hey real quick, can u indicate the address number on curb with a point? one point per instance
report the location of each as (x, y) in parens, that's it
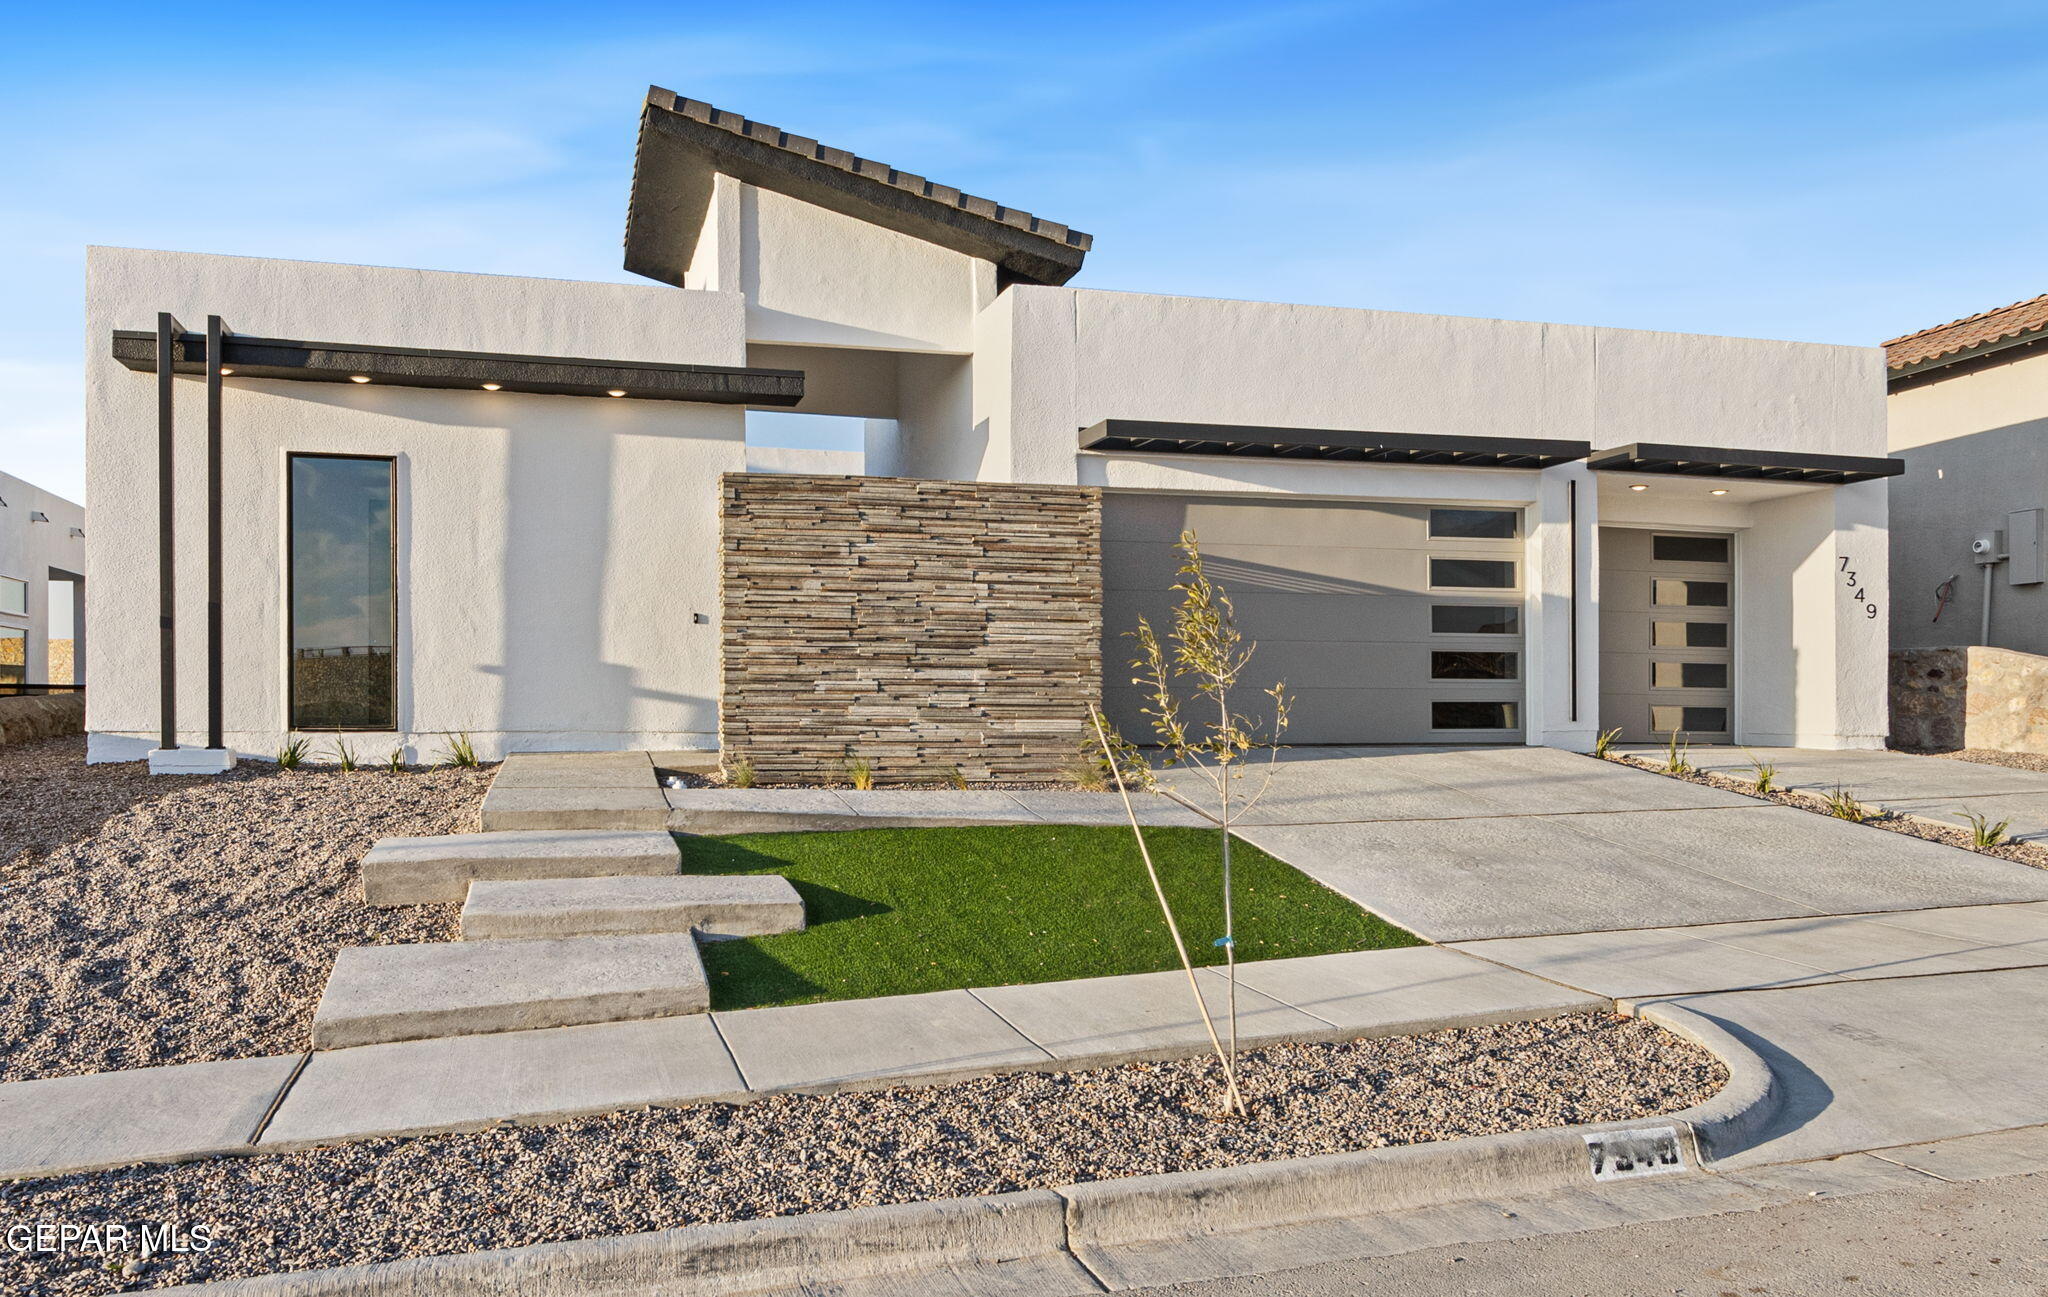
(1626, 1154)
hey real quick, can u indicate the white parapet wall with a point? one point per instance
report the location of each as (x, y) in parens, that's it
(555, 553)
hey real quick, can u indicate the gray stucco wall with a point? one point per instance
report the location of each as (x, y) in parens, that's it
(1976, 448)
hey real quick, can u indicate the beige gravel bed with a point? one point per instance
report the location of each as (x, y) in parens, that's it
(631, 1172)
(178, 919)
(1912, 826)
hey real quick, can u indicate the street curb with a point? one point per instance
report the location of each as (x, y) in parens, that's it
(1731, 1120)
(1042, 1242)
(1020, 1235)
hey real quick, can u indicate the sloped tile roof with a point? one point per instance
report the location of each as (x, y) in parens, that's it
(1971, 331)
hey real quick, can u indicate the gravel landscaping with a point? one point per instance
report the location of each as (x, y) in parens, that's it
(180, 919)
(2023, 853)
(657, 1169)
(1988, 757)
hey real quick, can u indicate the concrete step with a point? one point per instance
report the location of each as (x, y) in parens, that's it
(385, 993)
(427, 871)
(509, 806)
(747, 905)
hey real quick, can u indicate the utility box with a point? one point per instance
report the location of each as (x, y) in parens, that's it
(2023, 547)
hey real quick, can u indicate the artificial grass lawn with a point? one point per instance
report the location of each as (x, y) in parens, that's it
(895, 911)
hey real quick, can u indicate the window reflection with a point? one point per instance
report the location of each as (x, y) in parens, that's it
(343, 615)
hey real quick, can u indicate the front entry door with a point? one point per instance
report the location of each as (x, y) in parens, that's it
(1667, 657)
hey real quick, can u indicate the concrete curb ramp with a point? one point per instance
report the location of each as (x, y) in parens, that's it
(1083, 1238)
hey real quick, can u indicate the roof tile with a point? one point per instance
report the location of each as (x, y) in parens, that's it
(2011, 321)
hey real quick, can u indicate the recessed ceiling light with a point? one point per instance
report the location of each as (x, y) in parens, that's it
(490, 387)
(1637, 486)
(1719, 490)
(617, 391)
(358, 378)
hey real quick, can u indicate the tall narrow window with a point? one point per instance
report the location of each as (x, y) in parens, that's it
(343, 603)
(13, 657)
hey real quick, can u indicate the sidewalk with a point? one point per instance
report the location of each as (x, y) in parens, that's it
(466, 1082)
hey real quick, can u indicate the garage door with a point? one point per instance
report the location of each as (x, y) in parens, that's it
(1390, 623)
(1666, 635)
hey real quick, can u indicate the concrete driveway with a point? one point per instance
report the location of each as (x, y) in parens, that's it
(1459, 844)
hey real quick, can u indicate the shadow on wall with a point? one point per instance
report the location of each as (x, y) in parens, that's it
(1951, 491)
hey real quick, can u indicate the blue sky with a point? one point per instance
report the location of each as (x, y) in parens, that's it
(1837, 172)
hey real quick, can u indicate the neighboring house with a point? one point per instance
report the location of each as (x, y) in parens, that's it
(42, 551)
(518, 508)
(1969, 415)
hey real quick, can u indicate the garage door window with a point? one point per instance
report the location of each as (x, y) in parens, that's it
(1689, 634)
(1471, 715)
(1472, 574)
(1693, 720)
(1688, 675)
(1674, 593)
(1472, 666)
(1475, 619)
(1689, 549)
(1471, 524)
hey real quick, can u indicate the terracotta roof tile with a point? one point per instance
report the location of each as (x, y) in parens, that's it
(1970, 331)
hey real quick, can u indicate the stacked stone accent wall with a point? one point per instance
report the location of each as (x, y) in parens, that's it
(1943, 699)
(917, 625)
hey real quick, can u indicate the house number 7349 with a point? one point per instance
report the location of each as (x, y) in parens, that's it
(1855, 590)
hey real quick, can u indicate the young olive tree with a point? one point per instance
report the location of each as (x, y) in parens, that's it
(1190, 679)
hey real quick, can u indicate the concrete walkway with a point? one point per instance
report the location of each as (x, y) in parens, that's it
(1461, 844)
(466, 1082)
(1938, 788)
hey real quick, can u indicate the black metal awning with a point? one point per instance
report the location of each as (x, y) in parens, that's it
(340, 362)
(1767, 465)
(1144, 436)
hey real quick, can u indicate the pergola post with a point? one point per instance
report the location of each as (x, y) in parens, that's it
(168, 758)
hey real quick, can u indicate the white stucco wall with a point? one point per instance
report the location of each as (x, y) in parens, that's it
(552, 550)
(28, 550)
(816, 276)
(1145, 356)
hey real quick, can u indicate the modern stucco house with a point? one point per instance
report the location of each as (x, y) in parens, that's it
(518, 508)
(42, 553)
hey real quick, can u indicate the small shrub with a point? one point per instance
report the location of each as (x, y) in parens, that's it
(344, 755)
(293, 754)
(1676, 758)
(1845, 807)
(860, 772)
(739, 772)
(460, 752)
(1090, 770)
(395, 763)
(956, 777)
(1984, 833)
(1764, 774)
(1604, 741)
